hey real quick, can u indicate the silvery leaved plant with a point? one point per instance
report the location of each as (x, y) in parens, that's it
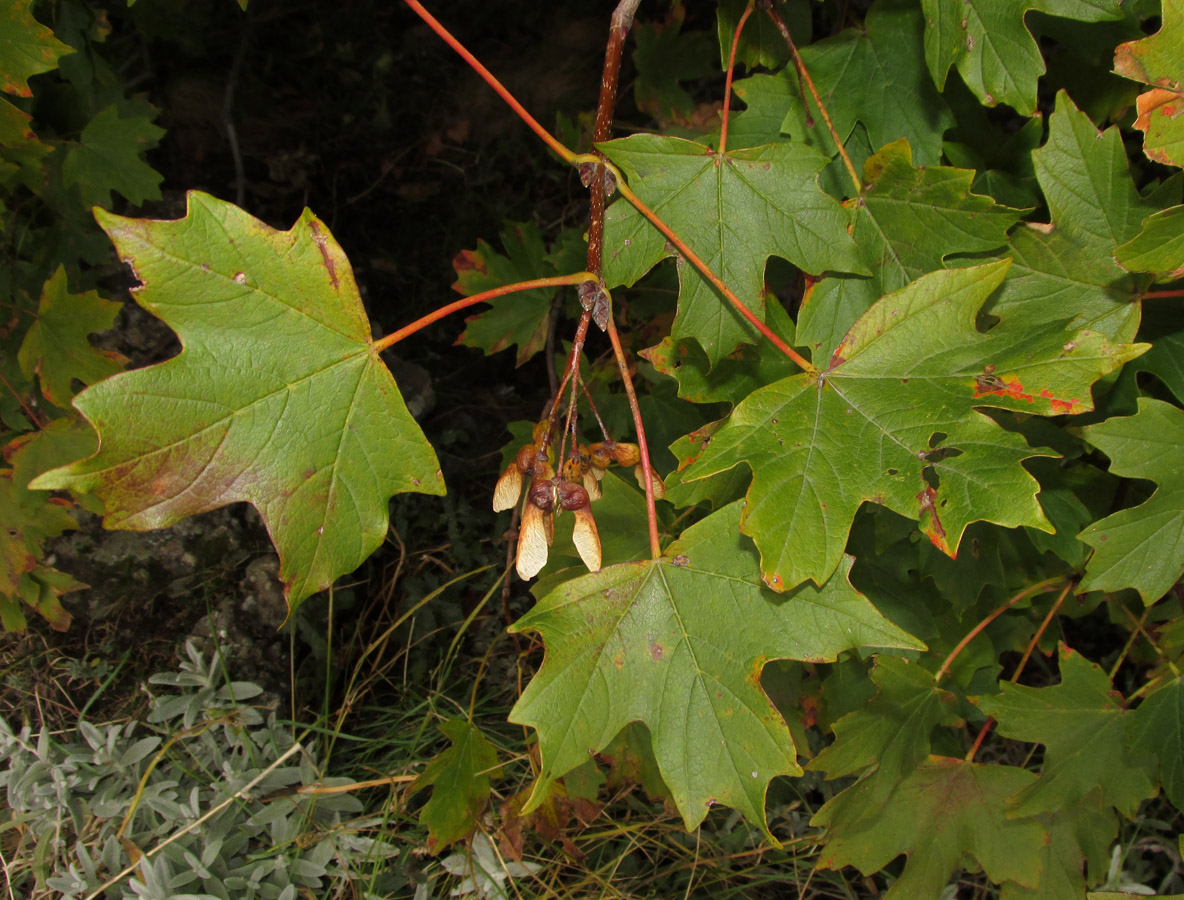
(81, 802)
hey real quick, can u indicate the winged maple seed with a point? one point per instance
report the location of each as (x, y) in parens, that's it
(572, 490)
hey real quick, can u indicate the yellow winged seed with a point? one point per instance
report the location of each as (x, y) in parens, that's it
(591, 482)
(532, 542)
(586, 538)
(508, 489)
(659, 487)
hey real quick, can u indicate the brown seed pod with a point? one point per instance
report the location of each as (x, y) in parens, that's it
(572, 496)
(525, 459)
(601, 454)
(542, 495)
(626, 454)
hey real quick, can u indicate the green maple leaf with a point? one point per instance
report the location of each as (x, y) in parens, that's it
(1157, 62)
(27, 525)
(734, 377)
(520, 319)
(278, 398)
(892, 421)
(110, 158)
(664, 57)
(907, 220)
(892, 731)
(1083, 833)
(990, 43)
(773, 111)
(56, 348)
(1157, 729)
(890, 735)
(734, 211)
(460, 776)
(944, 814)
(1065, 270)
(1141, 548)
(874, 75)
(1163, 328)
(27, 47)
(15, 126)
(60, 442)
(1082, 725)
(679, 644)
(1158, 248)
(761, 43)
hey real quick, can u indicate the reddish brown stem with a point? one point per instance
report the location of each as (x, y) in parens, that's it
(33, 417)
(809, 82)
(723, 129)
(706, 272)
(1031, 590)
(978, 741)
(651, 511)
(1056, 607)
(595, 411)
(407, 330)
(501, 90)
(1015, 676)
(1162, 295)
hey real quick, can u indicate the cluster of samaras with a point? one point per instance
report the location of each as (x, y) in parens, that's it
(573, 489)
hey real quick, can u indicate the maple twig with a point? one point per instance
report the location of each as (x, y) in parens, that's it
(1162, 295)
(716, 281)
(651, 512)
(723, 129)
(1031, 590)
(423, 321)
(500, 89)
(805, 77)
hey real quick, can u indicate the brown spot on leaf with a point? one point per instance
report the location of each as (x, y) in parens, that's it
(323, 245)
(988, 385)
(656, 651)
(930, 522)
(1064, 407)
